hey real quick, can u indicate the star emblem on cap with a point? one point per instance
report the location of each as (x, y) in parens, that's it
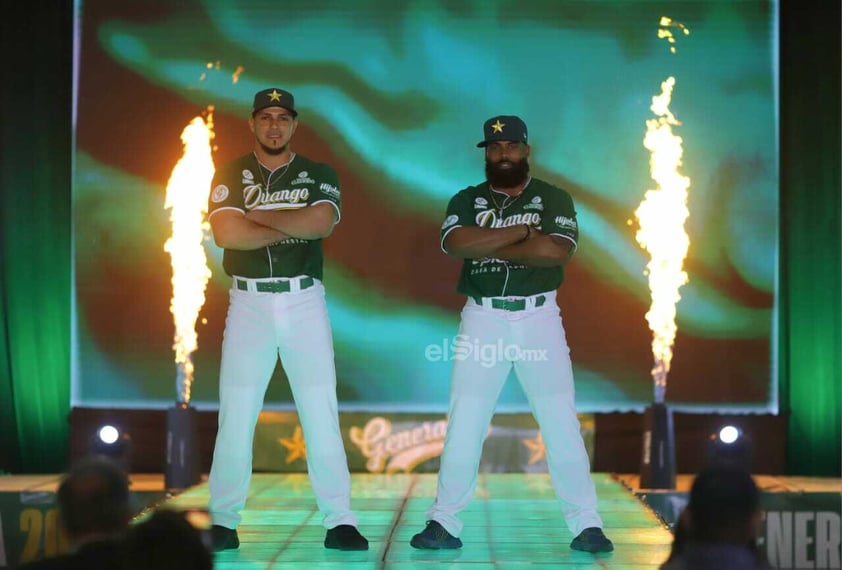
(274, 95)
(497, 127)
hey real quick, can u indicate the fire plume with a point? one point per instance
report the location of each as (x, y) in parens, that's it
(664, 31)
(661, 216)
(187, 191)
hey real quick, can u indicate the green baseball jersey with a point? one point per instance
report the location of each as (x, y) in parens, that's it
(244, 185)
(541, 206)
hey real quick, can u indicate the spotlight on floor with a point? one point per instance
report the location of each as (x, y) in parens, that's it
(730, 446)
(108, 435)
(111, 441)
(729, 434)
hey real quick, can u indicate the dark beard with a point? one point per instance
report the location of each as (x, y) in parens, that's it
(507, 177)
(273, 151)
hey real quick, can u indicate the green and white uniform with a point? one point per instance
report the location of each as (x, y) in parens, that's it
(277, 308)
(541, 206)
(513, 306)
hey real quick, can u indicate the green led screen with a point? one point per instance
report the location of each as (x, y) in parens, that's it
(393, 95)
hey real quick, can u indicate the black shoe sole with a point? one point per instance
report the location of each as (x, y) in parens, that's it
(227, 546)
(593, 550)
(346, 548)
(422, 545)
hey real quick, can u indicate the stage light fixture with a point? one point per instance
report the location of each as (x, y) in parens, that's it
(111, 441)
(108, 434)
(729, 445)
(657, 465)
(729, 434)
(182, 454)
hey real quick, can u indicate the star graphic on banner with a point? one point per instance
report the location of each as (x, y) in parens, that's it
(497, 127)
(537, 451)
(274, 95)
(295, 445)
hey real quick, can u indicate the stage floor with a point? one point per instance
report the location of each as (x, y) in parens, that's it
(513, 522)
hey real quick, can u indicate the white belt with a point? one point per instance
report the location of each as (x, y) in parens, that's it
(515, 303)
(274, 284)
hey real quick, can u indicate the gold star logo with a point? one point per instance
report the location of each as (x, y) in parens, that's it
(537, 450)
(274, 95)
(295, 445)
(497, 127)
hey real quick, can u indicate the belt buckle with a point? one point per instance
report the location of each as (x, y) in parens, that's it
(510, 304)
(272, 287)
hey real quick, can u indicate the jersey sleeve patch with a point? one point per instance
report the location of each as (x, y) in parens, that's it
(219, 194)
(559, 216)
(325, 187)
(565, 223)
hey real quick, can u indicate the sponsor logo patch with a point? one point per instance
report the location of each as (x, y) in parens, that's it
(219, 194)
(451, 220)
(565, 222)
(329, 189)
(302, 179)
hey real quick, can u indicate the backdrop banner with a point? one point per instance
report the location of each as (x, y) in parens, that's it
(406, 443)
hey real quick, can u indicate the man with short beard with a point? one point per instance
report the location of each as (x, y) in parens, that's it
(514, 234)
(270, 210)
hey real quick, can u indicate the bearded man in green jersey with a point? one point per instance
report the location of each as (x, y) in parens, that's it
(514, 234)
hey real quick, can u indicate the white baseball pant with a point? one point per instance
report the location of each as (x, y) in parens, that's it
(548, 384)
(259, 328)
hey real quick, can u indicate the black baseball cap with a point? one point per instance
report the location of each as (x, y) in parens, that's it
(274, 97)
(503, 128)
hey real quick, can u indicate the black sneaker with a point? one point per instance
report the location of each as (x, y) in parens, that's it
(223, 538)
(592, 539)
(435, 537)
(345, 537)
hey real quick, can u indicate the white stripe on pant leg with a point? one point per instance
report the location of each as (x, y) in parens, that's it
(549, 387)
(474, 390)
(308, 359)
(249, 355)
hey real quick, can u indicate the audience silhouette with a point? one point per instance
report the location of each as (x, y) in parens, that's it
(720, 525)
(94, 511)
(166, 541)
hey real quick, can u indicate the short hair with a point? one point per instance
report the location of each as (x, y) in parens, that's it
(166, 541)
(94, 497)
(723, 501)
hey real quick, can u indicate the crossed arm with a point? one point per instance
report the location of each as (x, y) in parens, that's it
(513, 244)
(232, 229)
